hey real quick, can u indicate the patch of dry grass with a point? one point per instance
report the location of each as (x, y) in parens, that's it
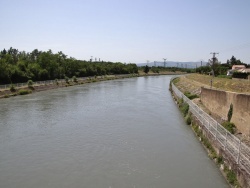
(240, 86)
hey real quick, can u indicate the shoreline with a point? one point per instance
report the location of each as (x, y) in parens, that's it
(7, 93)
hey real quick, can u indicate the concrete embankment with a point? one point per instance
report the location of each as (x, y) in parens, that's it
(218, 102)
(230, 154)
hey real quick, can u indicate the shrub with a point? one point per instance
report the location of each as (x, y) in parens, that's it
(243, 75)
(74, 79)
(66, 79)
(231, 177)
(12, 88)
(180, 101)
(190, 96)
(24, 92)
(230, 113)
(184, 108)
(229, 126)
(6, 96)
(30, 84)
(56, 80)
(220, 160)
(188, 119)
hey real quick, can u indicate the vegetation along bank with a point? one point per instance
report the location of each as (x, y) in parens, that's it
(231, 156)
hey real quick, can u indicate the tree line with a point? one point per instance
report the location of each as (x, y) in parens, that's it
(20, 66)
(221, 68)
(160, 69)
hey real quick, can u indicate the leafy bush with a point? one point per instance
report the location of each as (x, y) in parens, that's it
(66, 79)
(12, 88)
(220, 160)
(56, 80)
(155, 70)
(188, 119)
(74, 79)
(229, 126)
(146, 69)
(30, 84)
(230, 113)
(243, 75)
(231, 177)
(190, 96)
(184, 108)
(6, 96)
(180, 101)
(24, 92)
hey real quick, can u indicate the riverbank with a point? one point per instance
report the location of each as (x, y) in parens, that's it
(229, 154)
(8, 92)
(216, 100)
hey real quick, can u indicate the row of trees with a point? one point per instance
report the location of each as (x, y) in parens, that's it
(220, 68)
(20, 66)
(160, 69)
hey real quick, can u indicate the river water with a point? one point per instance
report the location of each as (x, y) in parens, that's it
(112, 134)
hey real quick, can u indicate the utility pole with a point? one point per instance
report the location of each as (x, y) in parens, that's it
(213, 60)
(155, 63)
(164, 61)
(201, 63)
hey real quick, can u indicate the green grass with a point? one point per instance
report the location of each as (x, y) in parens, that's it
(190, 96)
(184, 107)
(6, 96)
(224, 76)
(24, 92)
(229, 126)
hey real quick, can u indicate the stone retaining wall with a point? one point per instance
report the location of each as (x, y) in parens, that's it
(218, 102)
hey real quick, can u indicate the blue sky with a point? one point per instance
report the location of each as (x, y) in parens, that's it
(129, 30)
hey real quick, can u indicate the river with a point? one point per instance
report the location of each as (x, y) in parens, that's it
(111, 134)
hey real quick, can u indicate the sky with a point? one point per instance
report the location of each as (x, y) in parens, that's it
(129, 31)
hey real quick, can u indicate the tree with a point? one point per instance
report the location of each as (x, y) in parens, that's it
(230, 113)
(146, 69)
(21, 66)
(234, 61)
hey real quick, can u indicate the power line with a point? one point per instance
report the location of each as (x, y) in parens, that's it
(238, 47)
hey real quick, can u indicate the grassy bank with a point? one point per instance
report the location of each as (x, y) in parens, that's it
(12, 91)
(222, 83)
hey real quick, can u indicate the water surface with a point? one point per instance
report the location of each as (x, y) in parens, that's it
(120, 133)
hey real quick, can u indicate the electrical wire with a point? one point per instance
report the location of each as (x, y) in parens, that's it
(238, 47)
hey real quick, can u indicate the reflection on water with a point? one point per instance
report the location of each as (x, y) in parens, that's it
(121, 133)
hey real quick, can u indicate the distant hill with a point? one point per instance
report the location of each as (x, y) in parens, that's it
(174, 64)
